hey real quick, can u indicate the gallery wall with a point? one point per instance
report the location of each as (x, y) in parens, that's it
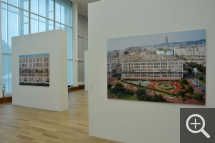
(133, 121)
(86, 70)
(0, 57)
(82, 47)
(52, 97)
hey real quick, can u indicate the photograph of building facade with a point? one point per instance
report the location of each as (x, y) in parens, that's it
(34, 69)
(172, 65)
(156, 67)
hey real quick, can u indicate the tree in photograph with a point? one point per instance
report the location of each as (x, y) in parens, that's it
(179, 93)
(141, 95)
(197, 96)
(109, 86)
(201, 78)
(189, 89)
(190, 70)
(128, 91)
(183, 82)
(158, 98)
(117, 89)
(119, 78)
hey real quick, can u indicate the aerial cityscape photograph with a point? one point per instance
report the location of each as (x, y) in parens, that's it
(165, 67)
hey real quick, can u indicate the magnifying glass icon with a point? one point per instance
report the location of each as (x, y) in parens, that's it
(201, 129)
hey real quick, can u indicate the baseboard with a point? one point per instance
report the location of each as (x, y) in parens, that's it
(5, 99)
(75, 88)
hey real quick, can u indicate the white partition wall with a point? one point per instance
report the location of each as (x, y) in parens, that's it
(82, 47)
(86, 70)
(0, 57)
(133, 121)
(55, 96)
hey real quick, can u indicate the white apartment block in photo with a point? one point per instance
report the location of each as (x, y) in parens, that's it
(159, 67)
(156, 67)
(198, 51)
(193, 54)
(34, 69)
(110, 67)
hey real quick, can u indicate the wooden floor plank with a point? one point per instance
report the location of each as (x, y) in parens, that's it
(28, 125)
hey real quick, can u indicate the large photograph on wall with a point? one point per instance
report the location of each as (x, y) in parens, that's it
(165, 67)
(34, 69)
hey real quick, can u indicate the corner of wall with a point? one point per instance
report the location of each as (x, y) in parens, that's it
(0, 55)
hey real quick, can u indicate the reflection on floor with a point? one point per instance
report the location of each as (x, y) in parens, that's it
(28, 125)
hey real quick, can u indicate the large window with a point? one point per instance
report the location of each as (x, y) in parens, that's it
(20, 17)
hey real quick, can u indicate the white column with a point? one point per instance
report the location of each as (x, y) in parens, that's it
(0, 55)
(75, 43)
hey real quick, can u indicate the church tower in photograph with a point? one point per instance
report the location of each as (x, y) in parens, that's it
(167, 45)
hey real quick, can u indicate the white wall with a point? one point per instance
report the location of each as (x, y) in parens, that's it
(54, 97)
(86, 70)
(133, 121)
(0, 56)
(82, 46)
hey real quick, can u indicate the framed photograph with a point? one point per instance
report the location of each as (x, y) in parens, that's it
(34, 69)
(165, 67)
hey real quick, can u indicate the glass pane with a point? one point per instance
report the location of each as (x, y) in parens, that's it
(69, 66)
(34, 6)
(57, 26)
(34, 24)
(6, 73)
(12, 25)
(63, 12)
(45, 25)
(4, 29)
(17, 23)
(69, 42)
(57, 10)
(69, 39)
(66, 12)
(19, 3)
(23, 24)
(49, 25)
(42, 24)
(46, 8)
(62, 27)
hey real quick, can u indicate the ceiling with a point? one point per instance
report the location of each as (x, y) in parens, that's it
(83, 5)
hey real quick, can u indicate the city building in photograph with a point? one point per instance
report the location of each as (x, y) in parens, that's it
(166, 67)
(34, 69)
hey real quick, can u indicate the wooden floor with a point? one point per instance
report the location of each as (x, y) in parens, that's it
(27, 125)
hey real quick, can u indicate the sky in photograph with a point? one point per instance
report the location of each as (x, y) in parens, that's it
(154, 39)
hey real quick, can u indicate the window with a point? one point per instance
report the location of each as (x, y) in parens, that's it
(21, 17)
